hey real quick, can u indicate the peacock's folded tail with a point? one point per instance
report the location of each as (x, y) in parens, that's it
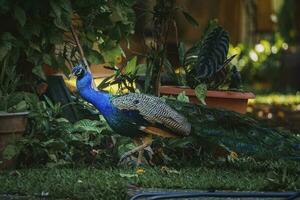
(237, 132)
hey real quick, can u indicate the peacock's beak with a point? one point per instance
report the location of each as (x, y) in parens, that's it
(71, 75)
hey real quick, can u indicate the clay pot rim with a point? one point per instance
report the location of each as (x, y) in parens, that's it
(210, 93)
(6, 114)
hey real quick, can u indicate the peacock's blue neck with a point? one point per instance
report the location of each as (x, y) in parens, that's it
(99, 99)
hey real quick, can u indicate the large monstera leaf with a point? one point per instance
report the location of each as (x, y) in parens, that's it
(212, 52)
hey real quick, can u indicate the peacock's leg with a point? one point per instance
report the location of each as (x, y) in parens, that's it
(129, 153)
(146, 141)
(138, 142)
(139, 160)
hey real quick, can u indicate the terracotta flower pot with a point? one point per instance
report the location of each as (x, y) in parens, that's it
(12, 127)
(235, 101)
(48, 70)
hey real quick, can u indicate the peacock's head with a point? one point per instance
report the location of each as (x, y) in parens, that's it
(78, 71)
(83, 77)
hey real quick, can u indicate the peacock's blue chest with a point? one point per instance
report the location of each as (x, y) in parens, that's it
(117, 120)
(121, 124)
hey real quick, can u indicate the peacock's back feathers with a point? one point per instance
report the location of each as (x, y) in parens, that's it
(154, 110)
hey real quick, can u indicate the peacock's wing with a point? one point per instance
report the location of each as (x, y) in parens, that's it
(155, 111)
(238, 132)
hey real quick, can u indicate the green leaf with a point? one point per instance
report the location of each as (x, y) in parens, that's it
(181, 53)
(87, 125)
(141, 70)
(92, 36)
(131, 66)
(47, 59)
(168, 66)
(110, 54)
(105, 82)
(123, 148)
(20, 107)
(7, 37)
(60, 24)
(56, 38)
(53, 157)
(62, 120)
(54, 144)
(123, 175)
(190, 19)
(10, 152)
(5, 47)
(20, 15)
(200, 92)
(182, 97)
(62, 16)
(49, 102)
(128, 3)
(211, 53)
(94, 57)
(116, 33)
(66, 5)
(35, 46)
(6, 44)
(56, 8)
(38, 70)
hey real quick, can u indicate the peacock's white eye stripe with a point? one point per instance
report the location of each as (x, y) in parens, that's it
(79, 72)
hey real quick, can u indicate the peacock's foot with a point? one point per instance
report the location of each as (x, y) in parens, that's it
(127, 161)
(139, 149)
(144, 158)
(125, 157)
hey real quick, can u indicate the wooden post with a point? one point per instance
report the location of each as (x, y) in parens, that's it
(229, 16)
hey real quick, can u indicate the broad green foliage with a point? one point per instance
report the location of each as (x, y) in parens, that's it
(12, 101)
(206, 62)
(53, 140)
(212, 52)
(260, 62)
(131, 67)
(124, 77)
(38, 32)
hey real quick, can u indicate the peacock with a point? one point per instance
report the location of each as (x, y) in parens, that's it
(142, 116)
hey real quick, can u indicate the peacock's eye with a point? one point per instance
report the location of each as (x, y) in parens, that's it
(79, 73)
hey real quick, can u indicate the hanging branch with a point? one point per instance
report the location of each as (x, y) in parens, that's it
(79, 47)
(82, 55)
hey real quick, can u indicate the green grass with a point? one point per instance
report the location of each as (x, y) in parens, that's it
(111, 183)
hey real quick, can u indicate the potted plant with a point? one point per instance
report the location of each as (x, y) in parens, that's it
(13, 112)
(205, 66)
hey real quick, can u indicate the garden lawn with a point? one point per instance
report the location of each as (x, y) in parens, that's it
(112, 183)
